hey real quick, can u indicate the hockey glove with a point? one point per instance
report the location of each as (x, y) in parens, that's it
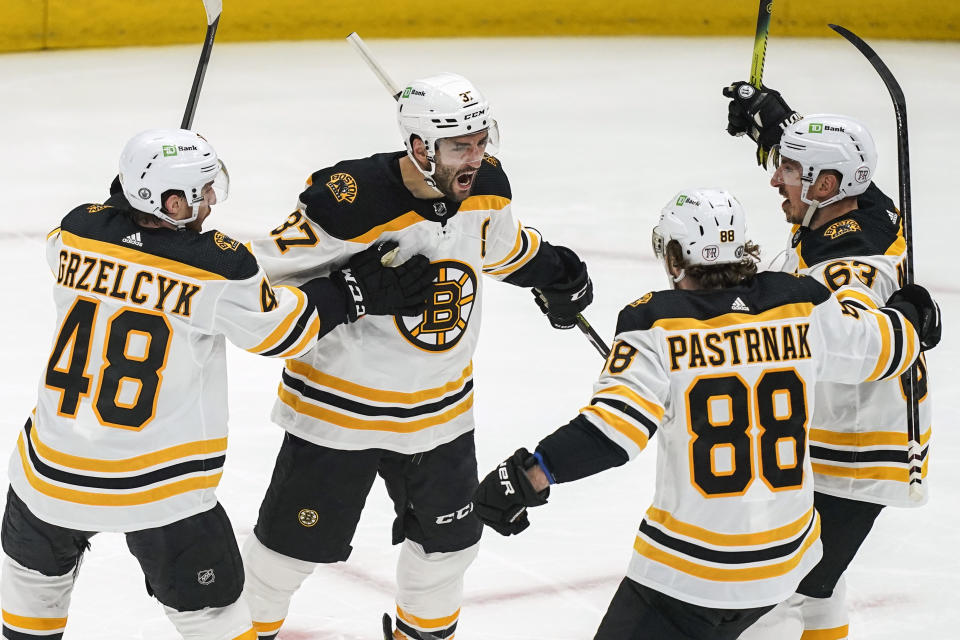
(760, 113)
(502, 498)
(563, 300)
(914, 302)
(374, 288)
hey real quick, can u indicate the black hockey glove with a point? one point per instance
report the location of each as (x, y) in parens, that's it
(760, 113)
(914, 302)
(502, 498)
(374, 288)
(563, 300)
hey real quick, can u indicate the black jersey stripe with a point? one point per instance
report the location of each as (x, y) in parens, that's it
(897, 358)
(524, 247)
(295, 333)
(325, 397)
(625, 408)
(692, 550)
(126, 482)
(434, 633)
(871, 455)
(12, 634)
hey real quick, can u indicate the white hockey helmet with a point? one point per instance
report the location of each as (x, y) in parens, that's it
(159, 160)
(709, 224)
(446, 105)
(823, 141)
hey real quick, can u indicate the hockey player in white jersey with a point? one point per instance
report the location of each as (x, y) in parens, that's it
(393, 396)
(722, 368)
(129, 432)
(847, 234)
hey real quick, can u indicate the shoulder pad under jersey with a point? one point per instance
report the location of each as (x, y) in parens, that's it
(767, 291)
(492, 180)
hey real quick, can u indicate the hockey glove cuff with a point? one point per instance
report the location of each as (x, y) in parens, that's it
(563, 300)
(503, 496)
(915, 303)
(761, 113)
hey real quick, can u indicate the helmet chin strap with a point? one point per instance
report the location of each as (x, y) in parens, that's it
(808, 216)
(427, 173)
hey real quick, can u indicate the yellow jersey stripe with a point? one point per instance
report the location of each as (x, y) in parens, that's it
(899, 247)
(249, 634)
(798, 310)
(720, 574)
(854, 294)
(53, 233)
(428, 623)
(484, 203)
(114, 499)
(532, 249)
(309, 335)
(779, 534)
(34, 624)
(137, 463)
(510, 255)
(284, 326)
(138, 257)
(377, 395)
(649, 406)
(885, 340)
(910, 338)
(628, 429)
(267, 627)
(865, 439)
(361, 424)
(836, 633)
(399, 223)
(897, 474)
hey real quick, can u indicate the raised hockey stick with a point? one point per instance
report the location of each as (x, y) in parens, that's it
(213, 9)
(392, 88)
(903, 167)
(760, 55)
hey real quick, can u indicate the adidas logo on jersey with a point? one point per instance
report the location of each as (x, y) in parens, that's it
(738, 305)
(134, 239)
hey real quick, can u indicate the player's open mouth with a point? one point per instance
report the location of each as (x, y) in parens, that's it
(464, 180)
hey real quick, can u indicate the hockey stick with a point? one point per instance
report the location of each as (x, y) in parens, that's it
(391, 87)
(903, 166)
(213, 9)
(760, 56)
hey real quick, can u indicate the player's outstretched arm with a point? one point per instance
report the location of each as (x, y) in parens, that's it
(762, 114)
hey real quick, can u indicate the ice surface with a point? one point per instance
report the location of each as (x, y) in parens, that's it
(597, 135)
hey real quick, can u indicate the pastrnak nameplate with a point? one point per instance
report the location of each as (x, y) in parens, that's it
(840, 228)
(343, 187)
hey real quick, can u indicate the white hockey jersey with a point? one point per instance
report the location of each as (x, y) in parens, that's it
(130, 427)
(858, 439)
(726, 380)
(399, 383)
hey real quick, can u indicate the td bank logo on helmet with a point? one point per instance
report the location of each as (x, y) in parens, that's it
(171, 150)
(819, 127)
(410, 91)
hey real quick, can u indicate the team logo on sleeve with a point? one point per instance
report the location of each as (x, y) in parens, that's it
(445, 319)
(644, 299)
(97, 208)
(840, 228)
(225, 242)
(343, 187)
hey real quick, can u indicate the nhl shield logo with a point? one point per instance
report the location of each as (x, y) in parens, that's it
(343, 187)
(445, 319)
(440, 208)
(205, 577)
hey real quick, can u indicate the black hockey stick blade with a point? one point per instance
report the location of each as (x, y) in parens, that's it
(213, 9)
(593, 336)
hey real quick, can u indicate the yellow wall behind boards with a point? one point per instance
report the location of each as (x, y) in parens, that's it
(41, 24)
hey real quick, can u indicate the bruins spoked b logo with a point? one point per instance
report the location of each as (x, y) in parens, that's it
(445, 320)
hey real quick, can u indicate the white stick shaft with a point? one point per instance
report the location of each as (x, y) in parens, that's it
(367, 56)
